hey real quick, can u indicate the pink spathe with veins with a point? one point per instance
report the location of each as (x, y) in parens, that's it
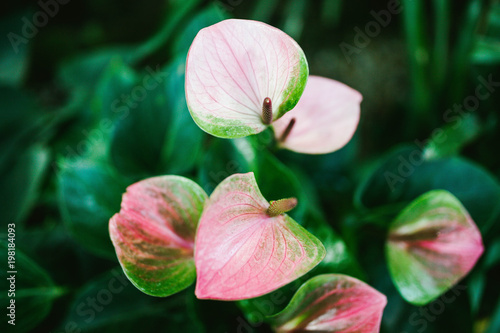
(241, 252)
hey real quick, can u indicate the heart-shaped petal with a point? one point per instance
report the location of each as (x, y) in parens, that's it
(241, 251)
(431, 245)
(154, 233)
(232, 67)
(324, 120)
(332, 303)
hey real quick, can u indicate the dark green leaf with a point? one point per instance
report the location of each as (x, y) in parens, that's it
(138, 136)
(110, 303)
(14, 51)
(89, 194)
(405, 174)
(84, 71)
(449, 140)
(21, 181)
(116, 81)
(183, 139)
(32, 291)
(486, 51)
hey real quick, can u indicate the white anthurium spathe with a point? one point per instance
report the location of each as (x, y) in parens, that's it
(237, 68)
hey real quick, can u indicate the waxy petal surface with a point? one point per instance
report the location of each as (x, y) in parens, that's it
(432, 245)
(232, 66)
(154, 233)
(326, 117)
(332, 303)
(243, 253)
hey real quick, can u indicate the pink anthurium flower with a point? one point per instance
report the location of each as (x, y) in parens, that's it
(242, 75)
(332, 303)
(246, 247)
(431, 245)
(323, 121)
(154, 233)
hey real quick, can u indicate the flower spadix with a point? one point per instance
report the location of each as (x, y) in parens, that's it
(241, 75)
(431, 245)
(323, 121)
(332, 303)
(247, 247)
(154, 233)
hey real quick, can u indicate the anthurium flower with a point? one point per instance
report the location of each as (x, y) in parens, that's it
(323, 121)
(332, 303)
(431, 245)
(154, 233)
(242, 75)
(246, 247)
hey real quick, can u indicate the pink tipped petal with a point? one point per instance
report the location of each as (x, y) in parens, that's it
(326, 118)
(232, 67)
(432, 245)
(243, 253)
(332, 303)
(154, 233)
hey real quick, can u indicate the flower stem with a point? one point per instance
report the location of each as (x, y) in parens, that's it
(287, 130)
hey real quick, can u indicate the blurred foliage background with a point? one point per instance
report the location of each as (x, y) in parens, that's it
(92, 100)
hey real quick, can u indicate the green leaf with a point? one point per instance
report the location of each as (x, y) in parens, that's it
(89, 195)
(33, 291)
(494, 325)
(179, 158)
(177, 11)
(152, 119)
(449, 140)
(14, 51)
(486, 51)
(117, 80)
(222, 159)
(24, 115)
(138, 136)
(110, 303)
(22, 178)
(154, 233)
(432, 244)
(84, 71)
(404, 175)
